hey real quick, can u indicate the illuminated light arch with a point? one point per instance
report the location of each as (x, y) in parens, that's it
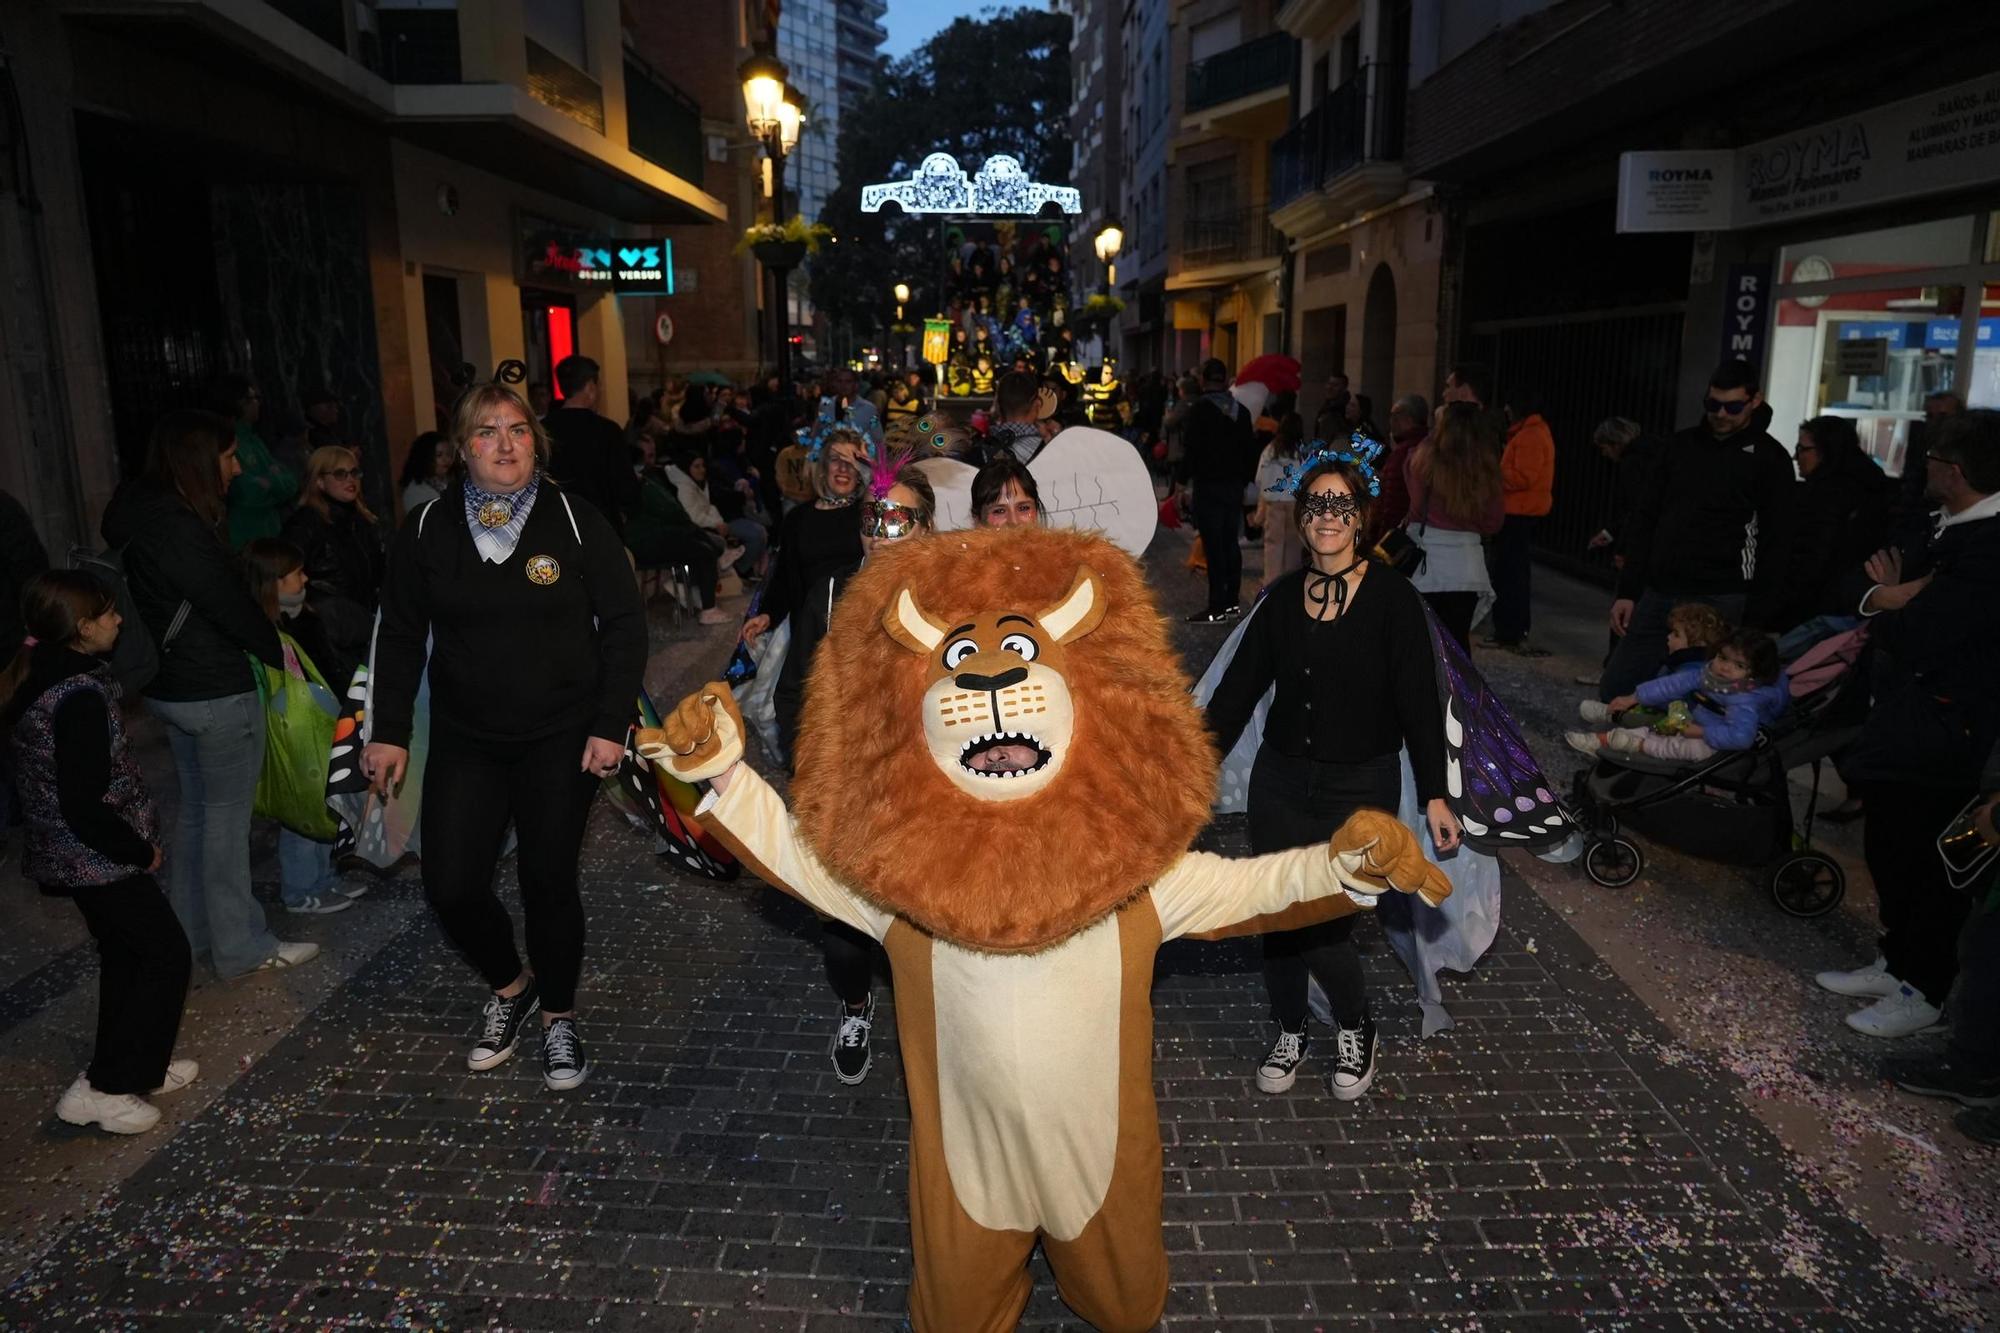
(940, 185)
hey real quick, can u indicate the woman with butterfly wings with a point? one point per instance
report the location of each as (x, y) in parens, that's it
(1462, 748)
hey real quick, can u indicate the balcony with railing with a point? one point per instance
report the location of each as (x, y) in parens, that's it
(1220, 247)
(1343, 154)
(1242, 90)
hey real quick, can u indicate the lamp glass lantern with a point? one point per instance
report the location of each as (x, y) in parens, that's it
(1110, 240)
(763, 78)
(790, 113)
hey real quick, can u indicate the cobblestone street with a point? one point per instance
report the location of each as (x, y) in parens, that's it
(1556, 1161)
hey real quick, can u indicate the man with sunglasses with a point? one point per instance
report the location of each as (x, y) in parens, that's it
(1714, 526)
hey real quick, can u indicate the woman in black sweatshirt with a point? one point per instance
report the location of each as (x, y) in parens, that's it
(537, 642)
(93, 837)
(1346, 644)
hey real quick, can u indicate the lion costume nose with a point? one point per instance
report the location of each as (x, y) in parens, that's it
(991, 684)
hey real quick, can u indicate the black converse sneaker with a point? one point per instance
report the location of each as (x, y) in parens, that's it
(851, 1056)
(563, 1065)
(505, 1017)
(1354, 1061)
(1281, 1066)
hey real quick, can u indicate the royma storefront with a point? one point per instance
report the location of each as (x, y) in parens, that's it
(1856, 261)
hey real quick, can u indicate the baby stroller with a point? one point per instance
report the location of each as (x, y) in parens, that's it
(1735, 808)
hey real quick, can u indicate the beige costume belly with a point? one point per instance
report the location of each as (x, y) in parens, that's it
(1027, 1064)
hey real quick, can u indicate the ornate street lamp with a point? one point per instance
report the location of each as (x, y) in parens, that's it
(1110, 240)
(774, 110)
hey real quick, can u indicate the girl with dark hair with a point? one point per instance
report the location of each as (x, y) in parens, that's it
(1455, 499)
(1004, 494)
(308, 884)
(189, 591)
(1345, 642)
(426, 470)
(93, 836)
(1359, 415)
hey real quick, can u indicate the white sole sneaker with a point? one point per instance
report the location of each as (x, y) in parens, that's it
(1867, 983)
(1348, 1092)
(1903, 1014)
(85, 1107)
(1269, 1082)
(180, 1073)
(325, 904)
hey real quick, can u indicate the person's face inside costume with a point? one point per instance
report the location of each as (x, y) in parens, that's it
(890, 519)
(1005, 759)
(500, 455)
(1328, 516)
(1011, 509)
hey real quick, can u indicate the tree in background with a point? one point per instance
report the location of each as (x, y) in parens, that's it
(980, 87)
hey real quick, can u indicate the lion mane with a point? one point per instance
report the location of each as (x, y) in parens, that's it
(1000, 876)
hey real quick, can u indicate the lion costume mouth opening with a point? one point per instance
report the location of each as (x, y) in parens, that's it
(946, 648)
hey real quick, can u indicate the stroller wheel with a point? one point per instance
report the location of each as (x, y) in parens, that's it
(1808, 885)
(1613, 862)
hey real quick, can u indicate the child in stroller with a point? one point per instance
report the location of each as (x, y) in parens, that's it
(1735, 806)
(1719, 705)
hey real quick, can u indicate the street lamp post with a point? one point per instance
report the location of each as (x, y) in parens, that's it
(773, 109)
(902, 294)
(1110, 239)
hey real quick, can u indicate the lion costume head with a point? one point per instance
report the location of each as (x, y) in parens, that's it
(946, 647)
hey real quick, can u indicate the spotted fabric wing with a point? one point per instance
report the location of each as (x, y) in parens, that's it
(1497, 790)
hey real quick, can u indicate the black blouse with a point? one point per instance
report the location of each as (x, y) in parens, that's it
(1355, 688)
(812, 542)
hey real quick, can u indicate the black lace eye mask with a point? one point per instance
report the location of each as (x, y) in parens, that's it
(1334, 504)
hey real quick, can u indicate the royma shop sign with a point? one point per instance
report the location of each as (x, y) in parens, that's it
(628, 266)
(1946, 140)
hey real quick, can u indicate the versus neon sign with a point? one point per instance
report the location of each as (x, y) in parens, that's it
(628, 267)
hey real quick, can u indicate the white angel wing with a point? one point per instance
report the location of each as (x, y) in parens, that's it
(1087, 478)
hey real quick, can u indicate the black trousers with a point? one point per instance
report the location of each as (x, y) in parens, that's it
(143, 954)
(850, 960)
(470, 796)
(681, 547)
(1299, 803)
(1512, 569)
(1218, 517)
(1921, 913)
(1454, 611)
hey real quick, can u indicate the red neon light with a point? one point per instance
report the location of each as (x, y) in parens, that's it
(562, 342)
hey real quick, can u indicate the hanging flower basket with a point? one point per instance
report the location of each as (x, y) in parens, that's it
(779, 254)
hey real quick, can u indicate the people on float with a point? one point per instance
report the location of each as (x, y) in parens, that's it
(522, 602)
(1004, 495)
(337, 533)
(1345, 642)
(189, 593)
(983, 377)
(92, 835)
(900, 504)
(1104, 397)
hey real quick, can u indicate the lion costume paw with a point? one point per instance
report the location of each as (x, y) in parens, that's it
(1377, 848)
(701, 739)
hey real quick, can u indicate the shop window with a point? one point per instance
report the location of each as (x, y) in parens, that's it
(1981, 384)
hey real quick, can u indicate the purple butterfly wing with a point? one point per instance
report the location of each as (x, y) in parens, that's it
(1497, 790)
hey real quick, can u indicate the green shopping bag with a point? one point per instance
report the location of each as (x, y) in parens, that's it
(299, 711)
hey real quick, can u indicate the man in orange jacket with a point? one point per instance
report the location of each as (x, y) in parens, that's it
(1528, 479)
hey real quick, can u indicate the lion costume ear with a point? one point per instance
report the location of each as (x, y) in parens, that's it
(909, 625)
(1078, 613)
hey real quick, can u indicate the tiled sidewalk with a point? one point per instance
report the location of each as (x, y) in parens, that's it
(1538, 1167)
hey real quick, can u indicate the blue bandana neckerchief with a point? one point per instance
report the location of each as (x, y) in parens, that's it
(497, 543)
(1358, 452)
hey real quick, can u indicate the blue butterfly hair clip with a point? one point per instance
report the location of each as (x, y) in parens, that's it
(1359, 452)
(814, 437)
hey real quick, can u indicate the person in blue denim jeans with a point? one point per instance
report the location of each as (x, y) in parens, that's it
(190, 594)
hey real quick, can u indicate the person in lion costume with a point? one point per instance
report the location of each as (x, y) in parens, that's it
(1013, 694)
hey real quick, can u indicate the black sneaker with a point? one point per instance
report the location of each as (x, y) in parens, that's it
(1981, 1124)
(563, 1065)
(1354, 1061)
(1215, 617)
(851, 1054)
(504, 1020)
(1937, 1076)
(1281, 1067)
